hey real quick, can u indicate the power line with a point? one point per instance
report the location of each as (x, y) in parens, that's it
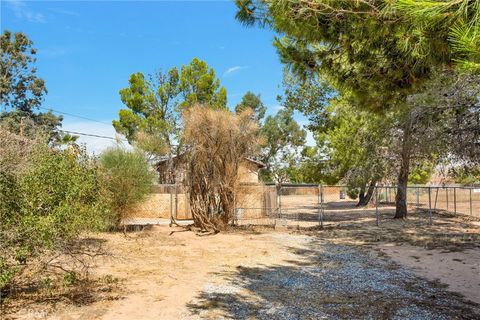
(90, 135)
(74, 115)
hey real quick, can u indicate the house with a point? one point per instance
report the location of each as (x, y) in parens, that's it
(172, 170)
(170, 198)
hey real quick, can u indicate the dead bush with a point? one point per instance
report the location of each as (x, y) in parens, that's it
(217, 142)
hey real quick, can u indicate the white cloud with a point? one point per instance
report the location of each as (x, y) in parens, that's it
(22, 11)
(93, 144)
(233, 70)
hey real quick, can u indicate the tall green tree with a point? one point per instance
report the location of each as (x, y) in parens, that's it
(283, 139)
(311, 96)
(20, 88)
(253, 102)
(199, 85)
(461, 18)
(151, 118)
(368, 50)
(22, 91)
(356, 145)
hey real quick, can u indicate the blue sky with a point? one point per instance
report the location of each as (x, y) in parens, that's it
(88, 49)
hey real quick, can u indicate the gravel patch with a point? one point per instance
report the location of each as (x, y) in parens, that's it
(321, 280)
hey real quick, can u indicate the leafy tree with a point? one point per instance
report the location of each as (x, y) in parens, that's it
(21, 91)
(49, 198)
(253, 102)
(283, 137)
(460, 18)
(154, 104)
(310, 96)
(370, 53)
(421, 173)
(439, 124)
(33, 124)
(465, 174)
(20, 88)
(151, 119)
(309, 167)
(129, 179)
(199, 85)
(355, 144)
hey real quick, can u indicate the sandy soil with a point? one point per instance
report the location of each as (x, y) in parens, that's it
(158, 274)
(459, 270)
(349, 269)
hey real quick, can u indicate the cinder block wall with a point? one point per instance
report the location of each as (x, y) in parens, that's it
(253, 197)
(160, 202)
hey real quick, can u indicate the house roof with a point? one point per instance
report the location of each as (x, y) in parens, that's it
(259, 164)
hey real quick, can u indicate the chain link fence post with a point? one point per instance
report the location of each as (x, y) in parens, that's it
(446, 192)
(280, 214)
(376, 207)
(320, 205)
(171, 205)
(418, 198)
(429, 205)
(455, 200)
(471, 203)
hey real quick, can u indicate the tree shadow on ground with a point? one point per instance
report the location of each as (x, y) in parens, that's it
(447, 232)
(330, 281)
(62, 276)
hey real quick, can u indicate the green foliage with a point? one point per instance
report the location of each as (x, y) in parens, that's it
(460, 18)
(283, 136)
(20, 88)
(354, 45)
(199, 85)
(70, 278)
(310, 168)
(21, 91)
(49, 198)
(355, 144)
(155, 104)
(466, 175)
(310, 96)
(62, 196)
(33, 124)
(129, 179)
(253, 102)
(376, 52)
(151, 107)
(421, 173)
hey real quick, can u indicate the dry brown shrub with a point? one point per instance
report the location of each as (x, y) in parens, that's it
(218, 141)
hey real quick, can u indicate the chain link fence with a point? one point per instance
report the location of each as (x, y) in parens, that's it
(308, 205)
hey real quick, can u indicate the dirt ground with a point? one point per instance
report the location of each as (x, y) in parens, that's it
(350, 269)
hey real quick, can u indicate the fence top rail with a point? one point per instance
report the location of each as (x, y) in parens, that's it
(311, 185)
(294, 185)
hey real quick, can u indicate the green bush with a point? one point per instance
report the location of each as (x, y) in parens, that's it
(49, 197)
(129, 179)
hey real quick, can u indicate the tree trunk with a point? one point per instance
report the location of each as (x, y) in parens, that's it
(361, 197)
(365, 198)
(402, 182)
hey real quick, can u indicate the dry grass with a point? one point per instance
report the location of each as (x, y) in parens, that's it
(263, 273)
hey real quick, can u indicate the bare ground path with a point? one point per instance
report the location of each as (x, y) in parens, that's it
(337, 273)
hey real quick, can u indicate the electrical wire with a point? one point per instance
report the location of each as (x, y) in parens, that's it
(89, 135)
(74, 115)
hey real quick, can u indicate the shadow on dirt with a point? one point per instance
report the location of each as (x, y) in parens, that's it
(331, 281)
